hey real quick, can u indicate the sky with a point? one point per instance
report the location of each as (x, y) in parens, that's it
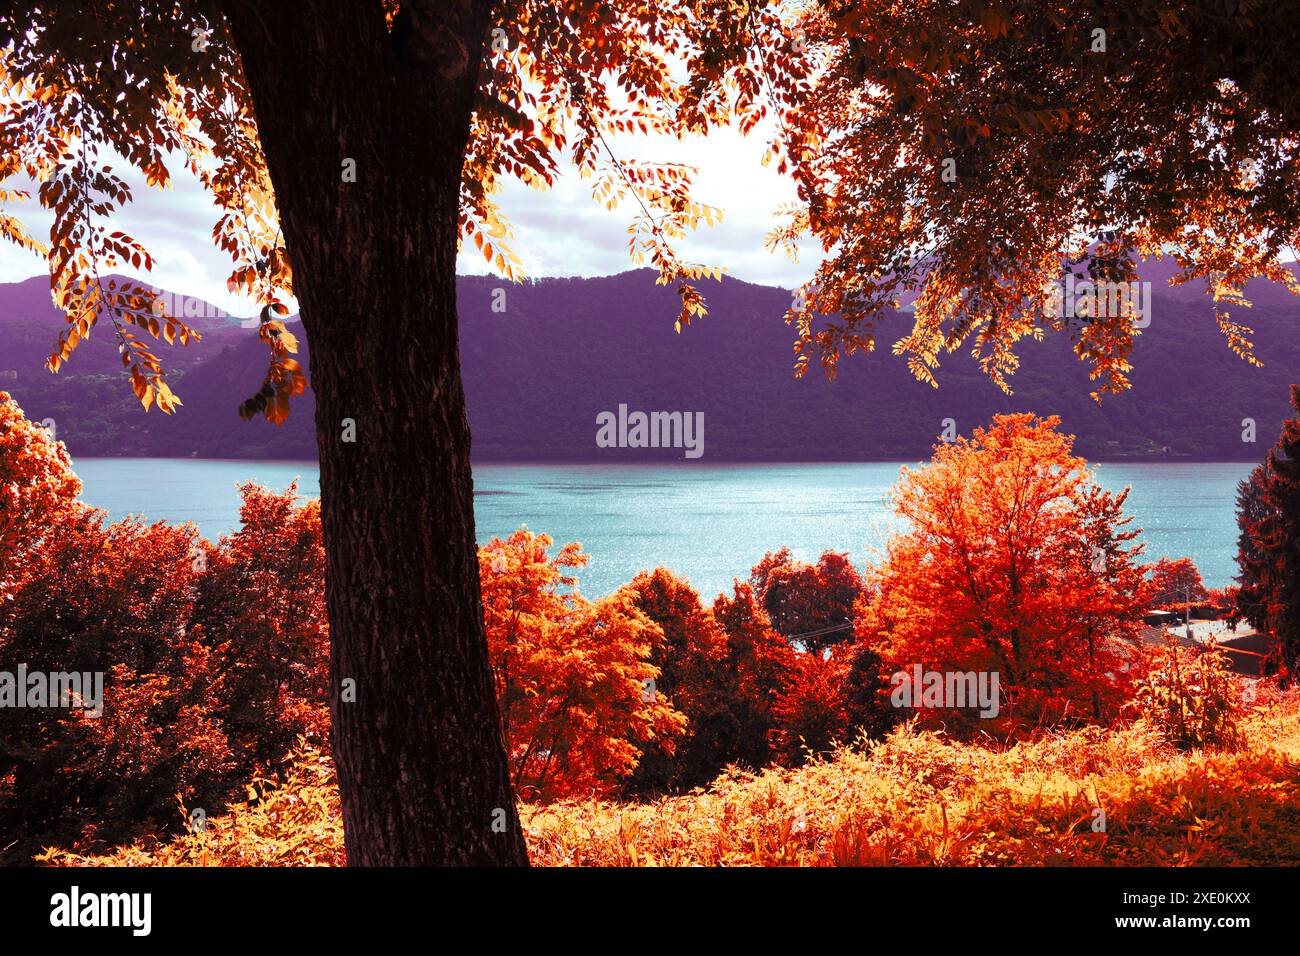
(561, 232)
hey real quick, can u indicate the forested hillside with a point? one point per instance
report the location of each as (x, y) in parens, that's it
(543, 359)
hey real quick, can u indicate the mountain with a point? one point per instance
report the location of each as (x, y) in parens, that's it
(555, 353)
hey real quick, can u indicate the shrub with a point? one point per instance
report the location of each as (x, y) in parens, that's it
(116, 599)
(1191, 696)
(915, 798)
(575, 681)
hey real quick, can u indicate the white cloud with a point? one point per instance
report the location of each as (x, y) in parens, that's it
(561, 232)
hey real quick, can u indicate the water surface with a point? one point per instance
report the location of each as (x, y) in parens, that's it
(708, 522)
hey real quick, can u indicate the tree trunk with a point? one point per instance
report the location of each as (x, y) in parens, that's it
(422, 769)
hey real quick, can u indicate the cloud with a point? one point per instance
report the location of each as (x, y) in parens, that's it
(561, 232)
(564, 232)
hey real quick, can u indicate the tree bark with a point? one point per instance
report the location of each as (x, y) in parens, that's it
(422, 768)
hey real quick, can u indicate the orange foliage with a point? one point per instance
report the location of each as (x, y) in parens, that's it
(36, 486)
(1014, 564)
(1191, 694)
(544, 100)
(575, 678)
(215, 661)
(961, 154)
(915, 798)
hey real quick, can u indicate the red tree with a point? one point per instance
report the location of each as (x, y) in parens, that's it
(78, 778)
(1175, 582)
(757, 662)
(810, 712)
(693, 675)
(1270, 546)
(1015, 565)
(260, 608)
(811, 604)
(575, 679)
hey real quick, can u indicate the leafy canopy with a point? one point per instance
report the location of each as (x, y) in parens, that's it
(90, 93)
(1015, 562)
(1073, 133)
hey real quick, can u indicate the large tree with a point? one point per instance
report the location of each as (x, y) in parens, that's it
(351, 148)
(1014, 562)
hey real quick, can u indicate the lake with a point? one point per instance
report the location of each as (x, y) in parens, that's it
(710, 523)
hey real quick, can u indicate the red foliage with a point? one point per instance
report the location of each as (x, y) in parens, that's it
(757, 661)
(260, 608)
(1014, 565)
(1175, 583)
(811, 604)
(212, 659)
(810, 712)
(1269, 519)
(114, 599)
(575, 681)
(692, 673)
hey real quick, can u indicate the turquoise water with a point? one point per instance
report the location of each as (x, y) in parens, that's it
(708, 522)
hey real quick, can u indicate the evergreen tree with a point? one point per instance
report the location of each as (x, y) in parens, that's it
(1251, 508)
(1271, 564)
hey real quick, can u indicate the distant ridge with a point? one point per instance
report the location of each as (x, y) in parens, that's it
(564, 350)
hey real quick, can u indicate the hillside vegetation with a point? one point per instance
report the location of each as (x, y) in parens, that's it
(915, 798)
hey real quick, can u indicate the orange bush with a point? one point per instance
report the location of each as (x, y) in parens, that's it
(575, 678)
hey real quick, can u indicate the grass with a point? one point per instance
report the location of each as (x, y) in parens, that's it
(915, 798)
